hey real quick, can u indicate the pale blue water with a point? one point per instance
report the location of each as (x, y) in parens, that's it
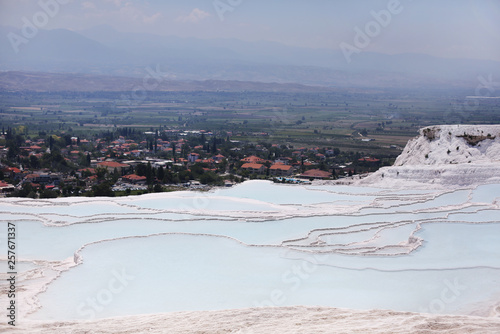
(244, 247)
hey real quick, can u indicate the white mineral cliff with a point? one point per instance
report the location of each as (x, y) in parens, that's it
(445, 156)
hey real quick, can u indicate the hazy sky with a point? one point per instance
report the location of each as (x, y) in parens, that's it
(447, 28)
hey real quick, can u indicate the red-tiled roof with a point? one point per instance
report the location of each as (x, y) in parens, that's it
(251, 165)
(369, 159)
(252, 159)
(280, 167)
(316, 173)
(134, 177)
(12, 169)
(112, 164)
(91, 170)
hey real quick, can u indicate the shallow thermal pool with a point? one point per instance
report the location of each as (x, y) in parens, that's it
(258, 244)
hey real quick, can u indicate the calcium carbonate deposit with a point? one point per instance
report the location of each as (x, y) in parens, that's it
(420, 237)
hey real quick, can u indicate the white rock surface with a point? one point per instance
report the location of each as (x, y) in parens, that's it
(444, 156)
(287, 320)
(445, 145)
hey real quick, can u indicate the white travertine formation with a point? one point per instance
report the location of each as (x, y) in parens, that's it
(444, 156)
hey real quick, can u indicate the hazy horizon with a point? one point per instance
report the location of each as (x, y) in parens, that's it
(448, 29)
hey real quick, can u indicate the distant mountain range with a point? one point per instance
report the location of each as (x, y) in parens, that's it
(104, 51)
(44, 82)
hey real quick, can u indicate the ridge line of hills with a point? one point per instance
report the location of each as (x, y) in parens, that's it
(105, 51)
(44, 82)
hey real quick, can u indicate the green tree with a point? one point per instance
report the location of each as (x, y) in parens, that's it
(49, 194)
(149, 174)
(197, 170)
(214, 145)
(26, 190)
(101, 173)
(161, 174)
(34, 162)
(210, 178)
(103, 189)
(115, 176)
(173, 151)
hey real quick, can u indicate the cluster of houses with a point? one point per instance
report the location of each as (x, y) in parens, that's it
(122, 155)
(282, 167)
(16, 175)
